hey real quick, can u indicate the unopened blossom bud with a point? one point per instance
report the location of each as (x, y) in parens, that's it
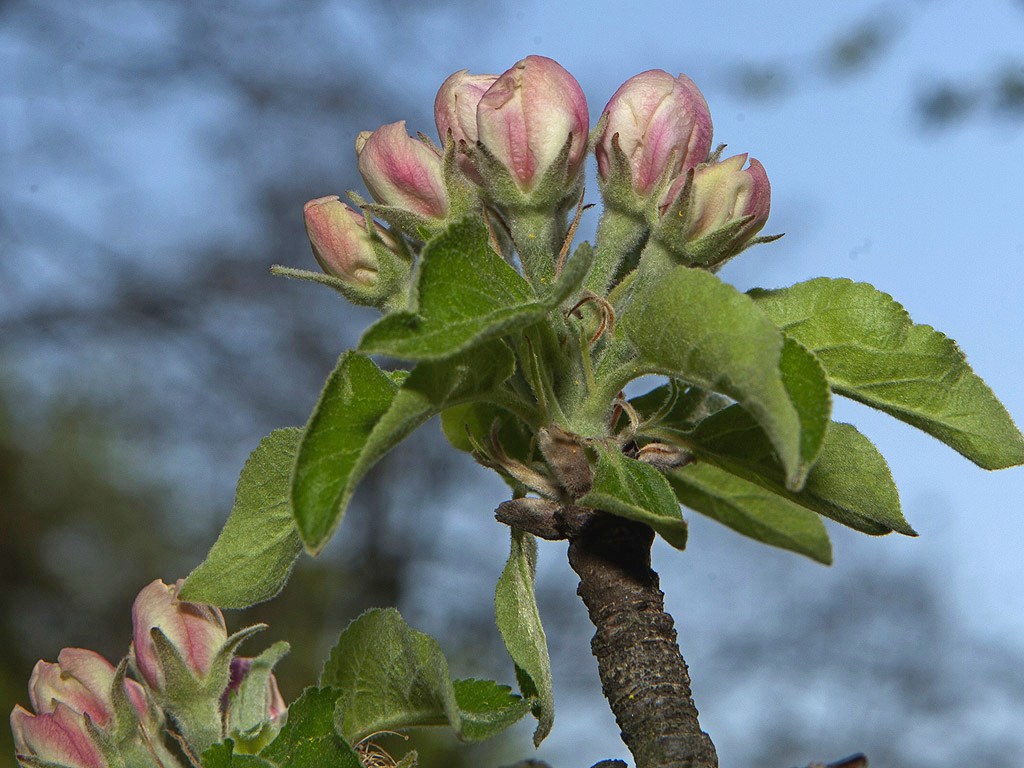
(662, 126)
(526, 118)
(241, 666)
(59, 737)
(196, 632)
(77, 722)
(82, 680)
(341, 243)
(722, 208)
(403, 172)
(456, 102)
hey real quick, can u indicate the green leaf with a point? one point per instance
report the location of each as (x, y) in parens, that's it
(751, 510)
(254, 554)
(308, 739)
(874, 353)
(635, 490)
(467, 294)
(690, 325)
(850, 482)
(362, 416)
(677, 407)
(515, 610)
(222, 755)
(808, 390)
(357, 394)
(392, 677)
(474, 420)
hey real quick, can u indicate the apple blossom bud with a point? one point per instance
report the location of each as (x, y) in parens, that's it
(59, 737)
(341, 242)
(82, 680)
(403, 172)
(722, 208)
(526, 118)
(455, 105)
(196, 632)
(662, 125)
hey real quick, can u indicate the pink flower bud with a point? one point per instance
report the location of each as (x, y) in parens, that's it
(58, 736)
(196, 631)
(341, 243)
(403, 172)
(526, 116)
(722, 194)
(82, 680)
(663, 126)
(456, 103)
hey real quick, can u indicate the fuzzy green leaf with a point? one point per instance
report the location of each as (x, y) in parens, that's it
(222, 755)
(254, 554)
(635, 490)
(874, 353)
(362, 416)
(515, 609)
(466, 294)
(357, 394)
(309, 739)
(392, 677)
(850, 482)
(690, 325)
(751, 510)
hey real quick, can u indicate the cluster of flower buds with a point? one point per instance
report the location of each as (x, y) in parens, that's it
(89, 714)
(515, 144)
(653, 150)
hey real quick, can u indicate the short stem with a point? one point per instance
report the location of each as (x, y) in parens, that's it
(643, 675)
(619, 236)
(538, 237)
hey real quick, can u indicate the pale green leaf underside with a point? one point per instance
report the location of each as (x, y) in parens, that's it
(873, 352)
(392, 677)
(515, 609)
(466, 294)
(751, 510)
(254, 554)
(637, 491)
(850, 482)
(692, 326)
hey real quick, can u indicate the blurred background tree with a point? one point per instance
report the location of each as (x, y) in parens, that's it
(155, 160)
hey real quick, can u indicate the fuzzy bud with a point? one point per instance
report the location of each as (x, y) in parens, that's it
(341, 243)
(663, 128)
(403, 172)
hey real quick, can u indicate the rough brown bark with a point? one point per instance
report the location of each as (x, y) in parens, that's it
(643, 675)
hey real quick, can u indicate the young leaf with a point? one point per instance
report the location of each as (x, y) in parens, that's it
(874, 353)
(515, 610)
(692, 326)
(751, 510)
(309, 739)
(850, 482)
(391, 677)
(254, 554)
(473, 420)
(357, 394)
(635, 490)
(467, 294)
(222, 755)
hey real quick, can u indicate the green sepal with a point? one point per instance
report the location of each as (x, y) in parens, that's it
(518, 620)
(632, 489)
(874, 353)
(253, 556)
(391, 677)
(751, 510)
(247, 715)
(222, 755)
(466, 295)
